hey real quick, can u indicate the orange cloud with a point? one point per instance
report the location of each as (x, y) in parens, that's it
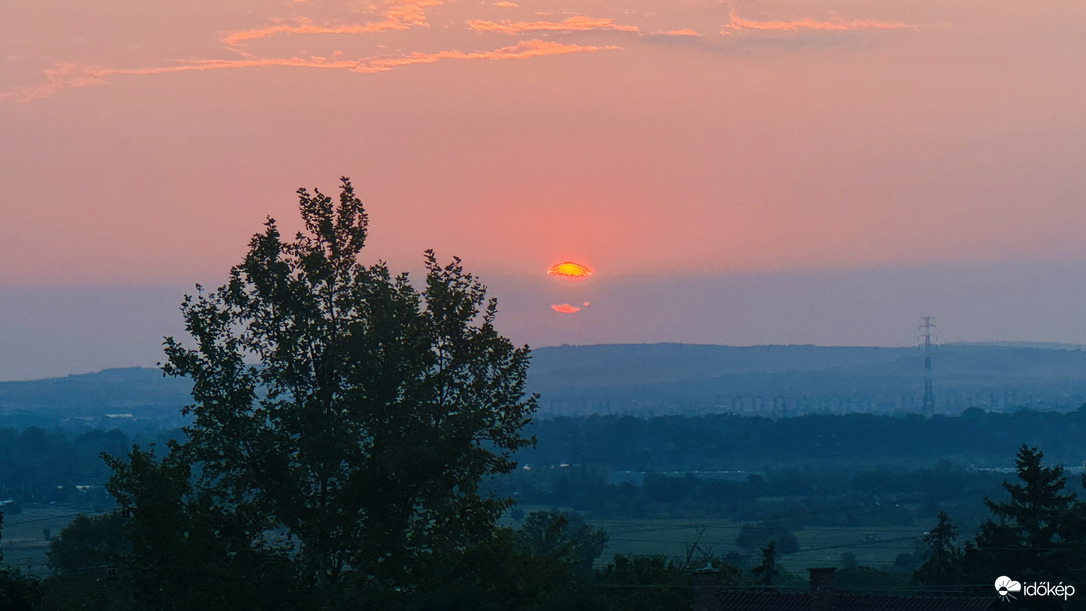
(397, 15)
(521, 50)
(578, 23)
(306, 26)
(412, 12)
(401, 15)
(70, 75)
(506, 4)
(75, 76)
(738, 23)
(62, 76)
(565, 308)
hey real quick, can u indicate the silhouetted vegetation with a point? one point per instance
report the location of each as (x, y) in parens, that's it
(18, 592)
(723, 442)
(41, 466)
(942, 555)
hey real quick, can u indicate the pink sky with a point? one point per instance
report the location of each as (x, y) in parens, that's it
(143, 143)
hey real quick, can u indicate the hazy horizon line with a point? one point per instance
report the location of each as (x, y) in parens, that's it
(1000, 344)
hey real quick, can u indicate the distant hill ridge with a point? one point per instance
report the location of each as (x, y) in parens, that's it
(789, 380)
(657, 379)
(82, 400)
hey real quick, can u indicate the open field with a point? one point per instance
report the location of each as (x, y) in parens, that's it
(818, 545)
(875, 547)
(24, 543)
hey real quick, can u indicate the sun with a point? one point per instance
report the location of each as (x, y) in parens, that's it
(570, 269)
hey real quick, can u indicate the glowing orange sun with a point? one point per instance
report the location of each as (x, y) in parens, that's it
(570, 269)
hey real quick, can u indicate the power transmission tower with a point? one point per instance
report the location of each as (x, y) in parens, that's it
(927, 337)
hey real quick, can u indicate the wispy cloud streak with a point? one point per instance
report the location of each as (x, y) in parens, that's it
(577, 23)
(305, 26)
(737, 23)
(61, 76)
(401, 15)
(683, 33)
(521, 50)
(70, 75)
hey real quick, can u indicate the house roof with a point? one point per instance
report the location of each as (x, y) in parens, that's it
(753, 600)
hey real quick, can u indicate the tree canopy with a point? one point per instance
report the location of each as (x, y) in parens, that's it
(342, 418)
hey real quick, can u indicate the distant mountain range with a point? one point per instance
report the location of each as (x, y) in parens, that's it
(654, 379)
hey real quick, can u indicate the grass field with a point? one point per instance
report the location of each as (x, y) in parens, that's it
(24, 543)
(818, 545)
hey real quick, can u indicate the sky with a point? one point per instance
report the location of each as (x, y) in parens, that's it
(745, 172)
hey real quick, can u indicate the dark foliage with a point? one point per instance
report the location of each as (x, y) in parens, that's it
(767, 572)
(342, 424)
(727, 441)
(757, 536)
(18, 592)
(942, 557)
(1036, 533)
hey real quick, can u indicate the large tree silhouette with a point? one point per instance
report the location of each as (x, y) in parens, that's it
(343, 419)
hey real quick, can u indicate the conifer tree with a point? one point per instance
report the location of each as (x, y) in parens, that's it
(1029, 534)
(942, 557)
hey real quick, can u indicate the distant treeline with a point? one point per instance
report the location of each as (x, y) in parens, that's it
(793, 497)
(732, 442)
(34, 462)
(845, 470)
(37, 465)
